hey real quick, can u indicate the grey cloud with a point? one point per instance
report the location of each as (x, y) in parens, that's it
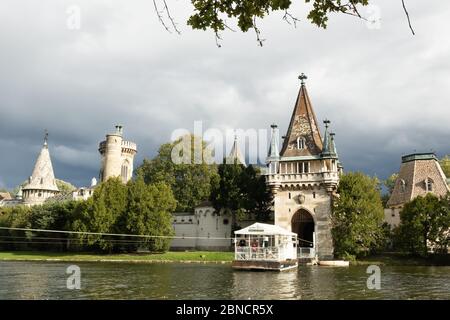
(385, 90)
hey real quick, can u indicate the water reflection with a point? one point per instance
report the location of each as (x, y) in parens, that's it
(265, 285)
(35, 280)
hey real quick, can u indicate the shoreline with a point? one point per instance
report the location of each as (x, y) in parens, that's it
(196, 257)
(192, 257)
(117, 261)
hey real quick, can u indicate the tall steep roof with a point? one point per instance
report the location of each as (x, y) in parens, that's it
(303, 125)
(43, 177)
(415, 171)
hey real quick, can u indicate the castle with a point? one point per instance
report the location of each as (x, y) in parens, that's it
(117, 160)
(303, 177)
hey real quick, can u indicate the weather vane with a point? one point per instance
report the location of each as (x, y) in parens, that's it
(302, 78)
(327, 122)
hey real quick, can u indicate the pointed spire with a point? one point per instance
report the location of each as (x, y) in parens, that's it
(328, 150)
(303, 136)
(43, 177)
(274, 153)
(333, 145)
(235, 154)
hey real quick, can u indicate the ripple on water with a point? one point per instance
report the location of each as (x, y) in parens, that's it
(39, 280)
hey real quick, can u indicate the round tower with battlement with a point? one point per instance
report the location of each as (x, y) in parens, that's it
(117, 156)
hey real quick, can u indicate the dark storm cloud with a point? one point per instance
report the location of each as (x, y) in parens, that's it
(385, 90)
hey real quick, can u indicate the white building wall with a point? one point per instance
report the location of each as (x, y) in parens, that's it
(211, 225)
(185, 227)
(392, 216)
(205, 225)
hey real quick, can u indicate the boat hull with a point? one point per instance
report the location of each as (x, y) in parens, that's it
(262, 265)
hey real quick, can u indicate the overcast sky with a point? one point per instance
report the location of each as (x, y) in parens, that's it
(385, 90)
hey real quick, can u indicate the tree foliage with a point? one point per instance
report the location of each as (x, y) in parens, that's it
(241, 192)
(390, 182)
(357, 217)
(102, 213)
(65, 187)
(424, 225)
(212, 14)
(114, 208)
(149, 210)
(190, 181)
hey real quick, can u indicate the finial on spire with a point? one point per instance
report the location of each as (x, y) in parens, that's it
(302, 78)
(327, 123)
(45, 138)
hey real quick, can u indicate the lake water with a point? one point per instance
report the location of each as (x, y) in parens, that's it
(44, 280)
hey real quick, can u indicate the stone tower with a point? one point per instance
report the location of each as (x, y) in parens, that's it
(304, 177)
(420, 173)
(117, 156)
(42, 184)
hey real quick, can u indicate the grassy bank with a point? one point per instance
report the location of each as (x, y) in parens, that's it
(390, 259)
(401, 259)
(197, 256)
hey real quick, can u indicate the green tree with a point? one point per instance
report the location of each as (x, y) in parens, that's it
(149, 212)
(102, 213)
(357, 217)
(190, 181)
(14, 217)
(65, 187)
(240, 192)
(389, 183)
(258, 197)
(445, 165)
(227, 194)
(425, 223)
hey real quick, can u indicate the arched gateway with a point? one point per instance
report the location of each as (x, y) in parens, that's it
(303, 225)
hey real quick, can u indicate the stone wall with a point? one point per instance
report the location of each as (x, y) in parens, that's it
(317, 202)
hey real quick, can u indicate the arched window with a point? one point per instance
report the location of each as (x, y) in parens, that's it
(124, 171)
(300, 143)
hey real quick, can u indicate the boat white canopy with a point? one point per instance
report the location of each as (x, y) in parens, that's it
(265, 229)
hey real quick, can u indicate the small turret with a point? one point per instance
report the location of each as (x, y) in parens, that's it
(329, 150)
(273, 156)
(235, 154)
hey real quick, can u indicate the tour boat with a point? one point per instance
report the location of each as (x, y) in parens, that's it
(265, 247)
